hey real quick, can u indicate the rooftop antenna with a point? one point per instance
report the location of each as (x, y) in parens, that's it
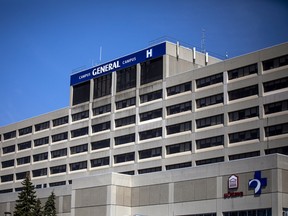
(203, 45)
(100, 57)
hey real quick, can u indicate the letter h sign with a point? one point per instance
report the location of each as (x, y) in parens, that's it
(149, 53)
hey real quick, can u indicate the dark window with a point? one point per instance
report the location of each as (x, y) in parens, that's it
(79, 149)
(125, 139)
(81, 93)
(124, 157)
(41, 141)
(244, 114)
(210, 142)
(102, 109)
(243, 71)
(279, 150)
(100, 162)
(126, 78)
(258, 212)
(128, 172)
(151, 115)
(274, 130)
(80, 115)
(40, 157)
(6, 191)
(7, 178)
(125, 103)
(9, 135)
(148, 153)
(23, 160)
(125, 121)
(178, 128)
(100, 144)
(179, 147)
(151, 70)
(58, 169)
(79, 132)
(151, 96)
(102, 86)
(244, 155)
(55, 184)
(178, 108)
(8, 149)
(149, 170)
(179, 88)
(209, 80)
(21, 175)
(209, 161)
(39, 172)
(275, 107)
(210, 121)
(275, 62)
(78, 165)
(59, 137)
(42, 126)
(244, 136)
(101, 127)
(150, 134)
(210, 100)
(243, 92)
(24, 145)
(25, 131)
(8, 163)
(275, 84)
(59, 153)
(60, 121)
(179, 165)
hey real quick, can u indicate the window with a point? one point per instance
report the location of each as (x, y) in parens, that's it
(243, 71)
(126, 78)
(23, 160)
(178, 128)
(6, 191)
(151, 115)
(179, 147)
(243, 92)
(102, 109)
(179, 165)
(79, 132)
(39, 172)
(125, 121)
(100, 162)
(151, 96)
(25, 131)
(275, 107)
(42, 126)
(58, 169)
(209, 161)
(79, 149)
(280, 150)
(179, 89)
(151, 70)
(59, 153)
(275, 62)
(275, 84)
(124, 157)
(258, 212)
(149, 153)
(102, 86)
(150, 134)
(101, 127)
(210, 142)
(59, 137)
(7, 178)
(210, 121)
(78, 165)
(8, 163)
(21, 175)
(81, 93)
(8, 149)
(80, 115)
(100, 144)
(24, 145)
(276, 130)
(244, 136)
(124, 139)
(128, 172)
(40, 157)
(9, 135)
(207, 214)
(243, 114)
(125, 103)
(55, 184)
(41, 141)
(210, 100)
(209, 80)
(178, 108)
(60, 121)
(149, 170)
(244, 155)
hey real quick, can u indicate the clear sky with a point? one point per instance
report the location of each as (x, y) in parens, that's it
(43, 41)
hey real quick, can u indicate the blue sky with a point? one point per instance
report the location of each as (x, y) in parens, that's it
(43, 42)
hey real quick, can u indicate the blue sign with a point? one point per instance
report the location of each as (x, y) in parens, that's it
(257, 183)
(121, 63)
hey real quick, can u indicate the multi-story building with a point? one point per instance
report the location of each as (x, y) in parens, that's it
(162, 131)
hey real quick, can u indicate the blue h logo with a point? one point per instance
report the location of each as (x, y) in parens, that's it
(257, 183)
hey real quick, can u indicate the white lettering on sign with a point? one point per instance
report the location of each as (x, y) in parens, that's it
(105, 68)
(149, 53)
(129, 60)
(84, 76)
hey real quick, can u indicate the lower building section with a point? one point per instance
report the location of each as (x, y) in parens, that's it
(255, 186)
